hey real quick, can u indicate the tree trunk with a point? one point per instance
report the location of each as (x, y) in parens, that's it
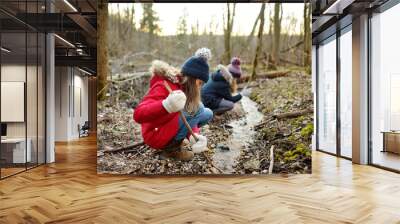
(119, 20)
(259, 42)
(307, 35)
(277, 32)
(102, 51)
(228, 33)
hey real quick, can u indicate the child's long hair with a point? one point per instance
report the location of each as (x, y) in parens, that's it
(234, 86)
(192, 92)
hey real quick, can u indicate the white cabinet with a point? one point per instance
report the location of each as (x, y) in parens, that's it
(15, 148)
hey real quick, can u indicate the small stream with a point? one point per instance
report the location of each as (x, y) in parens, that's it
(242, 135)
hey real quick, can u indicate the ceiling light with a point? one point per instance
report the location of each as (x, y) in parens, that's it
(65, 41)
(338, 6)
(5, 50)
(84, 71)
(70, 5)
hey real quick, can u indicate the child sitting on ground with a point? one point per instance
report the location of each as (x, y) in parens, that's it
(158, 112)
(216, 94)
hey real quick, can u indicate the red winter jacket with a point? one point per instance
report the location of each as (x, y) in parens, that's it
(158, 126)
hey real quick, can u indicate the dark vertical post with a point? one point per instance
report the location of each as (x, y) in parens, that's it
(26, 86)
(316, 97)
(338, 73)
(369, 100)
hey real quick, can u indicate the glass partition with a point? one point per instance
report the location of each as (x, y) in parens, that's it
(13, 92)
(41, 97)
(385, 89)
(346, 93)
(327, 95)
(31, 98)
(22, 101)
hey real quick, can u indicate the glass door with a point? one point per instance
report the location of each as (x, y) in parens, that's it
(327, 95)
(385, 89)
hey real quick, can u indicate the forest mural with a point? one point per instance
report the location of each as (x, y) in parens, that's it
(187, 88)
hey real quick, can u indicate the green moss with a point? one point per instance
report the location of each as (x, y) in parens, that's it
(124, 96)
(296, 122)
(269, 132)
(292, 138)
(307, 131)
(300, 150)
(256, 97)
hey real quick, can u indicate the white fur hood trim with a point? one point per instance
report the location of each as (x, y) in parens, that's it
(163, 69)
(225, 73)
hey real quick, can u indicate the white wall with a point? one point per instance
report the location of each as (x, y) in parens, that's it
(62, 81)
(70, 83)
(33, 126)
(12, 73)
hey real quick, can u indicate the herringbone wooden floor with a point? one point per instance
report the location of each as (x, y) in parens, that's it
(70, 191)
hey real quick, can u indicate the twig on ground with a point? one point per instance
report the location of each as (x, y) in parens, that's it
(260, 125)
(271, 157)
(212, 164)
(124, 148)
(190, 129)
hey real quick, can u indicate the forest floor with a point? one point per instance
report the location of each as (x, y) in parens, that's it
(239, 141)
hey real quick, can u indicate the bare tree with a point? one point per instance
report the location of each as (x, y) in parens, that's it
(259, 44)
(119, 24)
(228, 32)
(277, 32)
(307, 35)
(102, 50)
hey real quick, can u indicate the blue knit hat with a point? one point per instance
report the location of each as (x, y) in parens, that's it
(197, 65)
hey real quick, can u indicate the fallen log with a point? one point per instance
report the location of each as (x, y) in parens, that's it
(244, 85)
(124, 148)
(268, 75)
(293, 114)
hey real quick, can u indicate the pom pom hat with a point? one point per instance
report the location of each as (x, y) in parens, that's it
(234, 67)
(197, 65)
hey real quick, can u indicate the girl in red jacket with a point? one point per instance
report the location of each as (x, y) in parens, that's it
(158, 112)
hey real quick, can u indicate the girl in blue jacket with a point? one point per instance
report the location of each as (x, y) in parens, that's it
(216, 94)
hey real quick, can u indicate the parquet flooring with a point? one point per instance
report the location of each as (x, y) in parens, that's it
(70, 191)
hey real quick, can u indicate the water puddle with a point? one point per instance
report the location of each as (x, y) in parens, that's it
(242, 135)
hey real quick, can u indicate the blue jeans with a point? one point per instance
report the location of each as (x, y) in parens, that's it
(224, 106)
(201, 118)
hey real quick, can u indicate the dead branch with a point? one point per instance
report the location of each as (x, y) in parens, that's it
(260, 125)
(212, 164)
(190, 130)
(293, 114)
(292, 47)
(124, 148)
